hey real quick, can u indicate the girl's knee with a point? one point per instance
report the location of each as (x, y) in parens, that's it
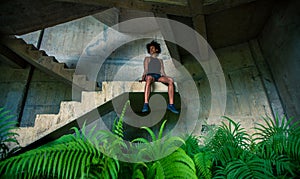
(148, 79)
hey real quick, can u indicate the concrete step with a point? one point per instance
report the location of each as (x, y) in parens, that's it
(82, 82)
(72, 110)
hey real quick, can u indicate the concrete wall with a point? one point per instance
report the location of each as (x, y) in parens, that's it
(280, 43)
(67, 41)
(126, 63)
(44, 96)
(13, 83)
(27, 92)
(247, 99)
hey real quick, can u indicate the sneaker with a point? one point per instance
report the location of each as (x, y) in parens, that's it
(145, 107)
(172, 108)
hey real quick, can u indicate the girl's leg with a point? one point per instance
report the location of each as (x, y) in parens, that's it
(170, 83)
(149, 80)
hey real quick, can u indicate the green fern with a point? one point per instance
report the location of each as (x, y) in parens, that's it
(176, 165)
(118, 122)
(71, 156)
(138, 170)
(191, 146)
(247, 166)
(158, 146)
(278, 142)
(229, 148)
(6, 136)
(203, 162)
(229, 142)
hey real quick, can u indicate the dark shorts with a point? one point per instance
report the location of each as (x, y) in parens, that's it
(155, 76)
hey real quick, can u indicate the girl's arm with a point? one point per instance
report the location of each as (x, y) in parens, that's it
(146, 62)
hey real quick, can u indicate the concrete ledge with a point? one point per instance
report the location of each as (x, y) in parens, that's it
(135, 86)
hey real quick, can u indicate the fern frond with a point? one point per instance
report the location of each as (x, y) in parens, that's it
(159, 146)
(71, 156)
(279, 143)
(161, 129)
(293, 147)
(158, 149)
(104, 168)
(141, 140)
(273, 128)
(118, 122)
(109, 143)
(138, 169)
(176, 165)
(232, 135)
(228, 143)
(138, 174)
(203, 162)
(151, 133)
(191, 146)
(248, 168)
(6, 134)
(169, 144)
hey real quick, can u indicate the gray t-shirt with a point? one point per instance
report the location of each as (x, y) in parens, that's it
(154, 66)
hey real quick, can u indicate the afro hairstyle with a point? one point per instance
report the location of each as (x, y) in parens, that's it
(155, 44)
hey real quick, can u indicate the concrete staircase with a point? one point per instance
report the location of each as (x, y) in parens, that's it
(71, 110)
(48, 64)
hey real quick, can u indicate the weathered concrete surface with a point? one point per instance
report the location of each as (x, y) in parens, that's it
(280, 43)
(71, 110)
(238, 24)
(47, 64)
(44, 97)
(26, 16)
(126, 63)
(108, 17)
(267, 80)
(12, 86)
(68, 40)
(31, 38)
(247, 100)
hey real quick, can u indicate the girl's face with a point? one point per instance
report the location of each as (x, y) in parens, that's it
(153, 50)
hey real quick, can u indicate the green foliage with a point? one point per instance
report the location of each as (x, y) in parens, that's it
(191, 146)
(139, 170)
(273, 153)
(118, 122)
(246, 166)
(227, 145)
(203, 162)
(176, 165)
(158, 146)
(279, 144)
(229, 153)
(71, 156)
(229, 142)
(6, 134)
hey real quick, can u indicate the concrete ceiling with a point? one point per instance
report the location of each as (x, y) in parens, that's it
(223, 22)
